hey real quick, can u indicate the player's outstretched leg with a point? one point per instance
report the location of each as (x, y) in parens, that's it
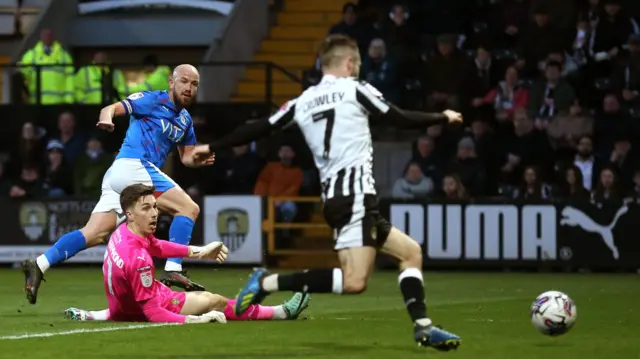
(184, 211)
(290, 310)
(97, 228)
(409, 254)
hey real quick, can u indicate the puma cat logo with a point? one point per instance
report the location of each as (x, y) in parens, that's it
(576, 218)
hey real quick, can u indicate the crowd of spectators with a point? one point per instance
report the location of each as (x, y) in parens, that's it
(549, 91)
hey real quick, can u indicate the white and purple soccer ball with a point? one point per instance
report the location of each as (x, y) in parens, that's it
(553, 313)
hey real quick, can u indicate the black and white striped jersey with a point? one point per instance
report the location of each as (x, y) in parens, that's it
(334, 119)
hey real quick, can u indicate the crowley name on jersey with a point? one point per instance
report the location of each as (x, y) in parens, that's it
(334, 119)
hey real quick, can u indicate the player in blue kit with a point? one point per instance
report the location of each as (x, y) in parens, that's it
(158, 123)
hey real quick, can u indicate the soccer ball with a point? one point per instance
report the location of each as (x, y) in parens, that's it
(553, 313)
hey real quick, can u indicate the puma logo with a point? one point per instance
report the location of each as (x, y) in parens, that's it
(574, 217)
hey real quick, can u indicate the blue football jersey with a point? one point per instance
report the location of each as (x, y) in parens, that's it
(156, 127)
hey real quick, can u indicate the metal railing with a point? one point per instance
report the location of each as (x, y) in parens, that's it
(19, 80)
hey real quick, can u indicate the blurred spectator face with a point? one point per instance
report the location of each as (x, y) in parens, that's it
(349, 16)
(377, 49)
(445, 48)
(240, 150)
(450, 186)
(511, 76)
(466, 149)
(425, 146)
(482, 55)
(414, 174)
(612, 9)
(571, 177)
(398, 15)
(94, 148)
(46, 36)
(29, 174)
(28, 131)
(607, 178)
(530, 176)
(286, 155)
(552, 73)
(54, 156)
(541, 19)
(521, 121)
(622, 146)
(434, 131)
(100, 58)
(610, 104)
(478, 128)
(66, 122)
(585, 147)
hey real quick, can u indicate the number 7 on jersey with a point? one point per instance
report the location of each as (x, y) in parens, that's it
(329, 116)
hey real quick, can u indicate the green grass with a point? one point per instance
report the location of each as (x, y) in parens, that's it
(489, 311)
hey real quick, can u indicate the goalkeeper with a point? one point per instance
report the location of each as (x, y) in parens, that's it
(129, 275)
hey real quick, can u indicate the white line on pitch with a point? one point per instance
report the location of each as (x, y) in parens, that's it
(83, 331)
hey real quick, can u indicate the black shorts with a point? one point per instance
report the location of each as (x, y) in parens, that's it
(356, 221)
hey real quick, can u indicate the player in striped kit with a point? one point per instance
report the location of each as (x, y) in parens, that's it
(334, 119)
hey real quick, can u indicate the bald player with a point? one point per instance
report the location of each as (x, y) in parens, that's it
(158, 123)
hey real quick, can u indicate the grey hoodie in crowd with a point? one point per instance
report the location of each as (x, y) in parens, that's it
(408, 190)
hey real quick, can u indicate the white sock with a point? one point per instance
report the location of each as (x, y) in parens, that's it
(337, 281)
(43, 263)
(172, 267)
(424, 322)
(100, 314)
(279, 313)
(270, 283)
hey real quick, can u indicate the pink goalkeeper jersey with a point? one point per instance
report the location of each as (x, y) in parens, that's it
(129, 274)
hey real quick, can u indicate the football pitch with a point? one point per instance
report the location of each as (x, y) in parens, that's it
(489, 310)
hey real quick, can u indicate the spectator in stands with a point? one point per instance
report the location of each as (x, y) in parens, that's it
(634, 192)
(380, 70)
(58, 177)
(591, 12)
(570, 68)
(90, 167)
(155, 76)
(524, 146)
(578, 53)
(30, 147)
(430, 164)
(5, 183)
(607, 188)
(453, 188)
(445, 75)
(486, 73)
(351, 26)
(413, 184)
(93, 85)
(281, 179)
(626, 76)
(532, 188)
(538, 41)
(469, 167)
(589, 165)
(508, 17)
(551, 95)
(505, 98)
(56, 83)
(609, 121)
(74, 143)
(623, 160)
(240, 171)
(565, 129)
(488, 150)
(401, 38)
(572, 184)
(28, 184)
(610, 34)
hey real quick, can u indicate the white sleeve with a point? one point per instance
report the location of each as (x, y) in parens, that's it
(371, 99)
(284, 115)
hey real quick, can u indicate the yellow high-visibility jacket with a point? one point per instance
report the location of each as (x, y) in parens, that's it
(56, 81)
(88, 84)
